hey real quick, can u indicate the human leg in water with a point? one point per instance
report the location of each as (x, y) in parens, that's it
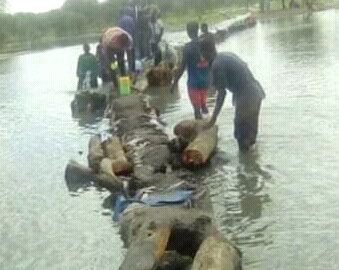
(246, 121)
(198, 97)
(197, 112)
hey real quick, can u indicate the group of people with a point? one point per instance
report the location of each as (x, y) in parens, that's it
(205, 67)
(137, 36)
(108, 62)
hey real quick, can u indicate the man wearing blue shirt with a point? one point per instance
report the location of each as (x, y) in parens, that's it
(198, 72)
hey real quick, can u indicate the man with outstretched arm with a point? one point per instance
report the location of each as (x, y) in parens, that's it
(197, 70)
(231, 73)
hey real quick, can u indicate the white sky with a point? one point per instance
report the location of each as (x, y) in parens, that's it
(35, 6)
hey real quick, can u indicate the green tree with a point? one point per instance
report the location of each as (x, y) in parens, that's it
(3, 5)
(79, 3)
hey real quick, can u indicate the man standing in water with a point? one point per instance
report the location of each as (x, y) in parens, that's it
(230, 72)
(87, 65)
(206, 34)
(198, 72)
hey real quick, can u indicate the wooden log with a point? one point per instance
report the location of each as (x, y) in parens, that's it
(199, 151)
(145, 253)
(189, 129)
(95, 153)
(115, 152)
(216, 253)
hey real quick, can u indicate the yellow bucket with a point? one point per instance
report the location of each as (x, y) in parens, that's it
(124, 86)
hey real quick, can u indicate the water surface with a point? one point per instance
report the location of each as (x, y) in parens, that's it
(279, 203)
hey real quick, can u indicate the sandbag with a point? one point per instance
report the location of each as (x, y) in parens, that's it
(159, 76)
(189, 129)
(114, 151)
(199, 151)
(106, 168)
(95, 153)
(216, 253)
(145, 253)
(128, 106)
(88, 102)
(112, 184)
(77, 176)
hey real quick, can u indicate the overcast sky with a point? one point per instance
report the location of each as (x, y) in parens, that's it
(34, 5)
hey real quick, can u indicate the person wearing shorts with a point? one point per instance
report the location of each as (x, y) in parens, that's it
(198, 72)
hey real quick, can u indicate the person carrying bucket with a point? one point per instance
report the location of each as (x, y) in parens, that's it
(116, 42)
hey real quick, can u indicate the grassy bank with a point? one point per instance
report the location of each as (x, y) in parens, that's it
(37, 38)
(48, 42)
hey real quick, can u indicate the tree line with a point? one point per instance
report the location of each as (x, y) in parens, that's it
(80, 17)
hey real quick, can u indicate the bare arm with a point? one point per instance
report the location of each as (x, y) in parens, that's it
(218, 105)
(180, 71)
(78, 67)
(161, 34)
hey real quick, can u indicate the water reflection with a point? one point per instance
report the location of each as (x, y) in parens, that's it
(239, 195)
(299, 137)
(251, 184)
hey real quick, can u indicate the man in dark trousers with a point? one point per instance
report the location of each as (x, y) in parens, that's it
(232, 73)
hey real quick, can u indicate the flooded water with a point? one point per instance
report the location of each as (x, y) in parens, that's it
(279, 203)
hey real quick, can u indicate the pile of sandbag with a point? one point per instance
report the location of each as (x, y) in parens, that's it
(87, 102)
(107, 158)
(168, 221)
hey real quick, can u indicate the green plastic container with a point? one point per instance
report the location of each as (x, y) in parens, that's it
(124, 86)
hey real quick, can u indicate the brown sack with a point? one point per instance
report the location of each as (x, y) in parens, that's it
(189, 129)
(95, 153)
(106, 167)
(115, 152)
(199, 151)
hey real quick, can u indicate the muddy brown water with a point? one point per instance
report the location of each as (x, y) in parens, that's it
(279, 203)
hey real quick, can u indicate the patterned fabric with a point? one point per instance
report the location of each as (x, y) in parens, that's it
(110, 39)
(198, 96)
